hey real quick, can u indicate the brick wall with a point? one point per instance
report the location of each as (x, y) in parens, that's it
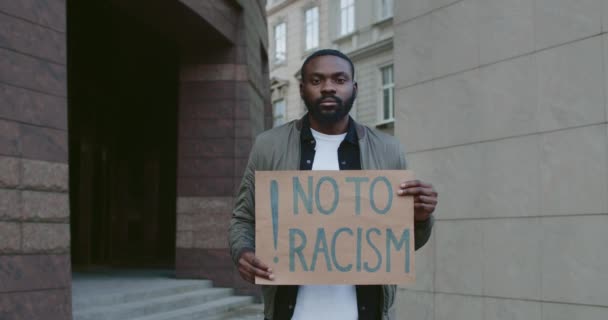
(34, 208)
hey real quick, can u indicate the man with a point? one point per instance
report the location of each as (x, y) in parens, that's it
(326, 138)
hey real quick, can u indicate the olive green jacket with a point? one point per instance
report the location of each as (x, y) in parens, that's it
(279, 149)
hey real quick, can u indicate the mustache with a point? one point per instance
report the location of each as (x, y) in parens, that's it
(334, 98)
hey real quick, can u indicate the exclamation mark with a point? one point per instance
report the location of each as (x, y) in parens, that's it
(274, 205)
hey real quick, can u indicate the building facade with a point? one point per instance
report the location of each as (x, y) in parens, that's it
(361, 29)
(124, 133)
(502, 104)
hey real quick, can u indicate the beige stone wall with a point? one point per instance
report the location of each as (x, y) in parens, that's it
(369, 46)
(502, 105)
(293, 16)
(370, 93)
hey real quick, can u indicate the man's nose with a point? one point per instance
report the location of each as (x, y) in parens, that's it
(328, 88)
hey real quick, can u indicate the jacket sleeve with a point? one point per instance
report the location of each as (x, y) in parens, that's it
(241, 233)
(422, 232)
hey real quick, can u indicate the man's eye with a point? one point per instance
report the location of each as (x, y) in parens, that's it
(315, 81)
(340, 81)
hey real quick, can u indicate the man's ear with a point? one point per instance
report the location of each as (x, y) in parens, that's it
(355, 87)
(301, 90)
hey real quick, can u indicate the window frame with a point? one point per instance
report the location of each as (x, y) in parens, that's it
(346, 27)
(275, 60)
(315, 26)
(275, 118)
(391, 89)
(390, 11)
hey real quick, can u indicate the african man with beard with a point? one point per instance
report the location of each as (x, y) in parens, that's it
(326, 138)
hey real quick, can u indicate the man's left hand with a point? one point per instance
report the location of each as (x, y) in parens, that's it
(425, 198)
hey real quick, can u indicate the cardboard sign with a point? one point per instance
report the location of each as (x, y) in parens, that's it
(334, 227)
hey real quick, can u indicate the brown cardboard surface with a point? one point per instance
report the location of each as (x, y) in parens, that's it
(335, 227)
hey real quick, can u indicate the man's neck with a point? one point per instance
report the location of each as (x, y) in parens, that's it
(332, 129)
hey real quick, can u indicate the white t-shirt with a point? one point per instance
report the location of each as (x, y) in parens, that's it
(326, 301)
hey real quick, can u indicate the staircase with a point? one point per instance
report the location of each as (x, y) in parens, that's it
(142, 295)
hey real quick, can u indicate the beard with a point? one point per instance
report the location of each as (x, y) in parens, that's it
(329, 117)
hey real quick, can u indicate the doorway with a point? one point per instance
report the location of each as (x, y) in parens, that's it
(123, 98)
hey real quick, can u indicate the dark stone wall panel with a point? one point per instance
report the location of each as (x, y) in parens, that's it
(213, 13)
(219, 55)
(44, 144)
(206, 148)
(9, 138)
(27, 72)
(227, 11)
(207, 168)
(242, 129)
(34, 272)
(205, 187)
(32, 39)
(213, 264)
(38, 305)
(32, 107)
(199, 128)
(216, 109)
(49, 13)
(219, 167)
(243, 147)
(241, 109)
(206, 91)
(33, 142)
(239, 168)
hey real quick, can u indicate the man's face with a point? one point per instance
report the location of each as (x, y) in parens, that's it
(328, 89)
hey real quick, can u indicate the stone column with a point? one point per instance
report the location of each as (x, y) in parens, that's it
(214, 141)
(34, 207)
(223, 105)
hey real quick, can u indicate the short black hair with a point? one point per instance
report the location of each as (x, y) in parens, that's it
(327, 52)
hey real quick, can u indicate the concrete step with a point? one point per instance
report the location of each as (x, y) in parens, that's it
(202, 311)
(139, 294)
(144, 307)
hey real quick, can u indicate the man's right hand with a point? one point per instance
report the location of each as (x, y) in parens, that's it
(250, 267)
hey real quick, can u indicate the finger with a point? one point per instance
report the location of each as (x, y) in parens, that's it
(416, 183)
(246, 275)
(416, 191)
(425, 199)
(255, 271)
(254, 261)
(425, 207)
(410, 183)
(263, 274)
(422, 216)
(259, 264)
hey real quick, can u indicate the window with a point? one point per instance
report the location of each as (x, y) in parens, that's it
(278, 112)
(312, 28)
(388, 87)
(280, 45)
(347, 16)
(386, 9)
